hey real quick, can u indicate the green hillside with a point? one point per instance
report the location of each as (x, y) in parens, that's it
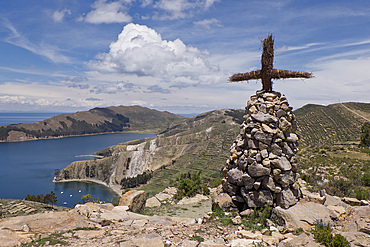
(323, 125)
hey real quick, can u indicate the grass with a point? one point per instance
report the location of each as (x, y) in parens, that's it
(52, 239)
(342, 170)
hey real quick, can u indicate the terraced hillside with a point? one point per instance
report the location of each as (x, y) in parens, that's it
(322, 125)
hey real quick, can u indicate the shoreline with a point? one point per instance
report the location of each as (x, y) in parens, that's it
(116, 188)
(68, 136)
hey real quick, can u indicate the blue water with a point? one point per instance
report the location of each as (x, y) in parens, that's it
(29, 117)
(28, 167)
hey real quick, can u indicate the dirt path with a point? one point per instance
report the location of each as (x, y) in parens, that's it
(354, 112)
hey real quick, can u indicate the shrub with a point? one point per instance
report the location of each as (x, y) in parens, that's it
(366, 179)
(189, 184)
(323, 234)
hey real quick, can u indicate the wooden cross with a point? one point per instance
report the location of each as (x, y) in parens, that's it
(266, 73)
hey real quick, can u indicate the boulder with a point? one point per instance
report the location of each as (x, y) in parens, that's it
(134, 199)
(302, 215)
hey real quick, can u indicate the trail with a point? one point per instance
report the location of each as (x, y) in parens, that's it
(354, 112)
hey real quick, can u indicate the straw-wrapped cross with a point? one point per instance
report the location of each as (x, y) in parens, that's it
(266, 73)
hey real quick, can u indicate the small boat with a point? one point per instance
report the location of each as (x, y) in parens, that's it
(79, 191)
(70, 195)
(61, 192)
(65, 203)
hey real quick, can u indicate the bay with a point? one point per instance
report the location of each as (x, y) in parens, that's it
(28, 167)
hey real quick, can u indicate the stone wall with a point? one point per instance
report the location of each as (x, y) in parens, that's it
(262, 167)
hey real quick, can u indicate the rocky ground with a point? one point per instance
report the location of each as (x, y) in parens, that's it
(105, 225)
(16, 207)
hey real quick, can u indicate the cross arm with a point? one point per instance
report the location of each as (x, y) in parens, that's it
(283, 74)
(253, 75)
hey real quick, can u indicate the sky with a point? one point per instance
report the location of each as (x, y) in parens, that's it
(177, 55)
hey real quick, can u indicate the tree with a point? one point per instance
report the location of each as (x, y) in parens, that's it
(365, 135)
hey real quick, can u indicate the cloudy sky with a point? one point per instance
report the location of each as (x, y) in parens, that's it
(177, 55)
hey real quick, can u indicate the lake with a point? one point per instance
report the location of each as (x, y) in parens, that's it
(28, 167)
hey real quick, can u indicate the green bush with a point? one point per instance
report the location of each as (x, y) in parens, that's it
(189, 184)
(323, 234)
(366, 179)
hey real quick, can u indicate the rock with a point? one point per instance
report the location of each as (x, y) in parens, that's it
(263, 137)
(213, 243)
(234, 176)
(264, 153)
(302, 240)
(284, 124)
(134, 199)
(152, 202)
(230, 188)
(237, 220)
(163, 197)
(291, 137)
(267, 129)
(286, 198)
(246, 213)
(352, 201)
(170, 190)
(268, 183)
(264, 118)
(275, 149)
(315, 197)
(285, 178)
(359, 220)
(282, 163)
(357, 238)
(189, 243)
(334, 201)
(244, 242)
(280, 113)
(258, 170)
(301, 215)
(192, 200)
(257, 198)
(150, 240)
(223, 200)
(45, 222)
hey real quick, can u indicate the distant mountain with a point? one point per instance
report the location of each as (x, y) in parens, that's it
(97, 120)
(325, 125)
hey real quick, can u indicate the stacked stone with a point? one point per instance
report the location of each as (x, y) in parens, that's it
(262, 167)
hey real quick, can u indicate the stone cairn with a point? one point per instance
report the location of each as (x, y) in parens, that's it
(262, 168)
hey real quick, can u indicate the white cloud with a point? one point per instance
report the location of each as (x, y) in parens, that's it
(111, 12)
(177, 9)
(141, 51)
(46, 50)
(58, 15)
(207, 23)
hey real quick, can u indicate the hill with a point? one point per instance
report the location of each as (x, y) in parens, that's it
(202, 143)
(94, 121)
(325, 125)
(197, 143)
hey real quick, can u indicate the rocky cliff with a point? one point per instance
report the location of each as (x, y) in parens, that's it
(205, 133)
